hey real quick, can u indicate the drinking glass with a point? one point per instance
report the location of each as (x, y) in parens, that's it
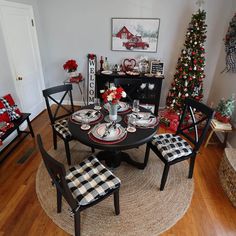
(97, 104)
(136, 105)
(131, 123)
(85, 123)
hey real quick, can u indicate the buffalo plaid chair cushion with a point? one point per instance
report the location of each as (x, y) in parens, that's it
(61, 127)
(90, 180)
(171, 146)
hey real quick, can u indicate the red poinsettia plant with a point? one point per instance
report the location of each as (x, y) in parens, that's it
(113, 94)
(70, 65)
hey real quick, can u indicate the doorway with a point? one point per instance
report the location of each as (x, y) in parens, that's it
(19, 30)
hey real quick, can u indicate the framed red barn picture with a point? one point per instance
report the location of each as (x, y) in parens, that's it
(134, 34)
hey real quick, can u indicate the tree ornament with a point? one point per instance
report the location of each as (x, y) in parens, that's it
(186, 95)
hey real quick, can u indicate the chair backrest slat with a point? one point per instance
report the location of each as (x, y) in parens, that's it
(47, 93)
(191, 108)
(57, 173)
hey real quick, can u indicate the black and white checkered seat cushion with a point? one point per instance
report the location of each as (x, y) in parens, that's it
(171, 146)
(90, 180)
(61, 127)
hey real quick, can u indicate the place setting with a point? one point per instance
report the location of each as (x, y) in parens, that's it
(108, 133)
(87, 117)
(122, 107)
(140, 119)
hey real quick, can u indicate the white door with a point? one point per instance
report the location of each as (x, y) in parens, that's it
(17, 21)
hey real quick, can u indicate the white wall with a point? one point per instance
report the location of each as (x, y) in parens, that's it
(224, 84)
(72, 29)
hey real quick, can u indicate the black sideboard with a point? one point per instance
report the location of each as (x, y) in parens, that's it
(146, 89)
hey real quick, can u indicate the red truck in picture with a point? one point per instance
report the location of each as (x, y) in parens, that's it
(136, 42)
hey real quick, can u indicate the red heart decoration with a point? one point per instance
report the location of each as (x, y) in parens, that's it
(129, 64)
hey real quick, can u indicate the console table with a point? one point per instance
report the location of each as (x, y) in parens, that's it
(146, 89)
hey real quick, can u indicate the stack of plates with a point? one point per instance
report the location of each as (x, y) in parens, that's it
(105, 132)
(90, 114)
(144, 119)
(122, 106)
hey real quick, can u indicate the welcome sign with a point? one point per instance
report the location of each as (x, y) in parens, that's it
(91, 78)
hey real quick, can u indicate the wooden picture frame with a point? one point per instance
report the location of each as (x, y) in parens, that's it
(134, 34)
(157, 68)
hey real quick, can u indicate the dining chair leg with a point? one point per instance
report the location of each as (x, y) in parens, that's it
(164, 176)
(54, 139)
(191, 167)
(30, 127)
(77, 223)
(67, 147)
(59, 201)
(146, 156)
(117, 202)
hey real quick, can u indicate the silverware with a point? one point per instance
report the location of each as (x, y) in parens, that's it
(93, 128)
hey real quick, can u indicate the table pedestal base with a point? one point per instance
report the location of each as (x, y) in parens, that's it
(113, 159)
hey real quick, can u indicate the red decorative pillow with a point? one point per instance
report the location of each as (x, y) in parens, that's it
(3, 113)
(8, 106)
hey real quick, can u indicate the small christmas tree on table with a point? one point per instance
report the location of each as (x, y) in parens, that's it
(225, 109)
(188, 79)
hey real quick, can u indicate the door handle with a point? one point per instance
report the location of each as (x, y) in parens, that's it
(19, 78)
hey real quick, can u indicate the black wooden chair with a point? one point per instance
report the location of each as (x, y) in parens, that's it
(83, 185)
(172, 148)
(58, 120)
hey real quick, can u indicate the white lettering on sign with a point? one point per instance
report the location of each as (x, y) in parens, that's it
(91, 79)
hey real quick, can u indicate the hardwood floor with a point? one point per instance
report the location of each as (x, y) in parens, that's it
(210, 212)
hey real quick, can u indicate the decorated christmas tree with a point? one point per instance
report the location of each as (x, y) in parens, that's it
(189, 75)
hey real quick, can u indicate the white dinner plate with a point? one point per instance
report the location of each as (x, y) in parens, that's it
(90, 114)
(144, 119)
(106, 72)
(111, 134)
(122, 106)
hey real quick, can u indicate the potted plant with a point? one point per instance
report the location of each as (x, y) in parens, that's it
(71, 67)
(225, 109)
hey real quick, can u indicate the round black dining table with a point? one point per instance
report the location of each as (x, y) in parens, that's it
(114, 154)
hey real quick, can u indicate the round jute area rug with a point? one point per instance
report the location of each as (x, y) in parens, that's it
(144, 209)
